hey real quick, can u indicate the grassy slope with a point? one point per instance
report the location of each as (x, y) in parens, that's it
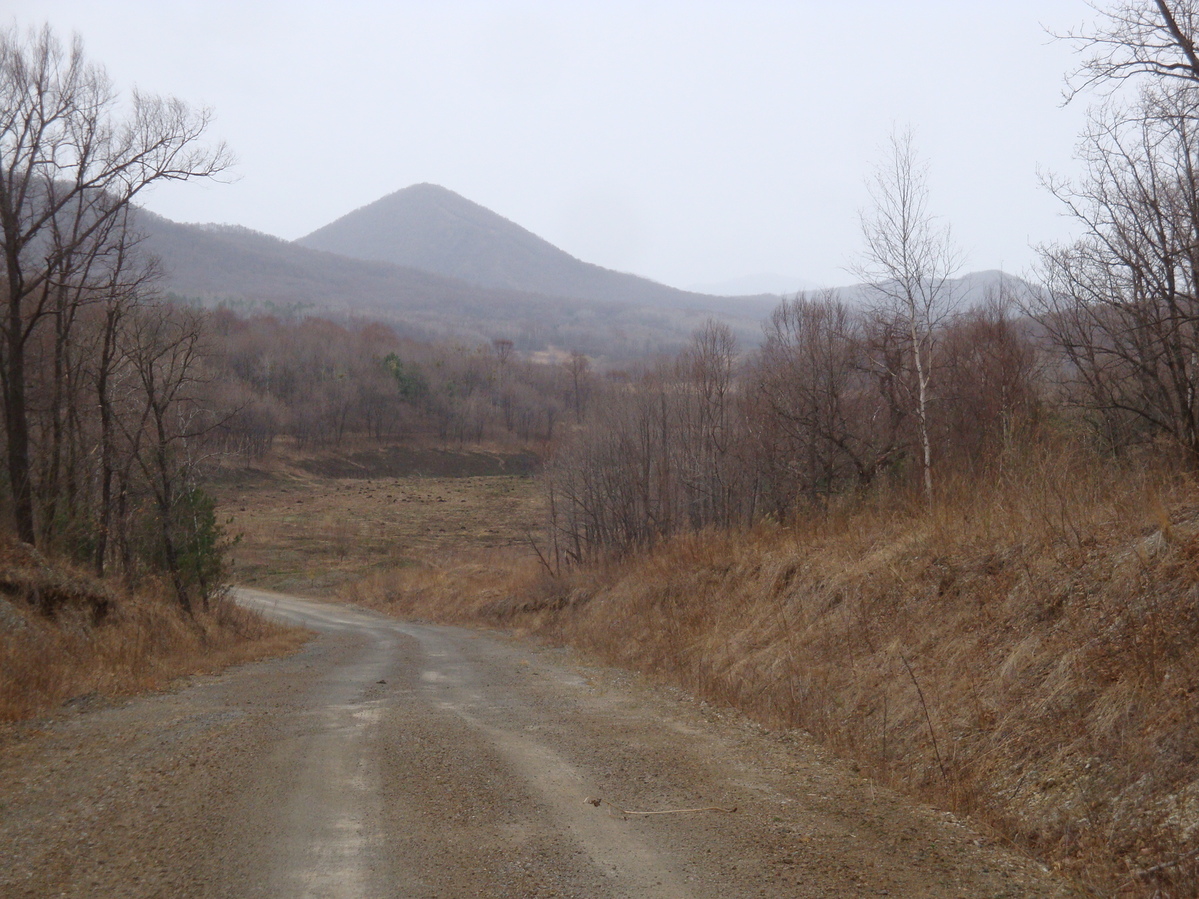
(1026, 653)
(66, 637)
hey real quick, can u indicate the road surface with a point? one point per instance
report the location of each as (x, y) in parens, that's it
(390, 759)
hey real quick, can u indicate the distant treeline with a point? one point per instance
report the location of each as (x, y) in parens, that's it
(831, 407)
(321, 382)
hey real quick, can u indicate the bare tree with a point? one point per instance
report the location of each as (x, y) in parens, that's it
(579, 367)
(707, 425)
(908, 264)
(1123, 301)
(163, 346)
(70, 167)
(826, 384)
(991, 383)
(1154, 38)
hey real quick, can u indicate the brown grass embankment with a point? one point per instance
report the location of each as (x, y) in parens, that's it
(1026, 653)
(66, 637)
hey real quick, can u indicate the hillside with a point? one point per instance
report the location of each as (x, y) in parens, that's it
(247, 269)
(434, 229)
(1032, 670)
(968, 291)
(216, 263)
(436, 266)
(70, 641)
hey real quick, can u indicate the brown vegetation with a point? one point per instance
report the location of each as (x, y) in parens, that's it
(96, 377)
(309, 522)
(1023, 653)
(1014, 638)
(1018, 644)
(324, 383)
(66, 637)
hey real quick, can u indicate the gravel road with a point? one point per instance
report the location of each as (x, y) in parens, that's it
(397, 760)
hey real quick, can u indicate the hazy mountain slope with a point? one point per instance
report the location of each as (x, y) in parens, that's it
(756, 285)
(434, 229)
(967, 291)
(235, 265)
(231, 263)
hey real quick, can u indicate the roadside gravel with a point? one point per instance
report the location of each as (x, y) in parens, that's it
(395, 760)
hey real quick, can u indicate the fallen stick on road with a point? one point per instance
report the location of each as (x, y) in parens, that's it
(590, 800)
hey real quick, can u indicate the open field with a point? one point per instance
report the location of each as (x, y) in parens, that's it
(309, 523)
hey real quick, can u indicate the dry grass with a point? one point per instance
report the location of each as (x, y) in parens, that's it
(66, 638)
(463, 587)
(305, 528)
(1027, 653)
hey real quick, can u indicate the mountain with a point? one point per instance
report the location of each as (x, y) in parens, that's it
(434, 229)
(255, 272)
(756, 285)
(969, 290)
(436, 266)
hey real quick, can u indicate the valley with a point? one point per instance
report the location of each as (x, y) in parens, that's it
(416, 557)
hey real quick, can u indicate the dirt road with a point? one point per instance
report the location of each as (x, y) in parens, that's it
(398, 760)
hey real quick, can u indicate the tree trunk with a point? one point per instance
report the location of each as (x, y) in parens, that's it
(16, 424)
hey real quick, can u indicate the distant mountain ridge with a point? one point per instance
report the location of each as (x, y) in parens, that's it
(259, 273)
(756, 285)
(964, 292)
(446, 268)
(433, 229)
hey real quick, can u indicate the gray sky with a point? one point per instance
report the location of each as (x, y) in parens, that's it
(688, 141)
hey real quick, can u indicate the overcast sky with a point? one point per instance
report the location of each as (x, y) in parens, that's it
(688, 141)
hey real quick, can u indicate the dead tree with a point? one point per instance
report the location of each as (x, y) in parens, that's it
(163, 348)
(1136, 38)
(1122, 302)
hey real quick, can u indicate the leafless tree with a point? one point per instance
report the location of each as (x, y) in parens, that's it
(1123, 301)
(825, 384)
(164, 350)
(70, 167)
(908, 264)
(579, 367)
(1154, 38)
(992, 384)
(707, 426)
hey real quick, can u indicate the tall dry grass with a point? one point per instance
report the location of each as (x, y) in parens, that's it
(66, 637)
(1026, 652)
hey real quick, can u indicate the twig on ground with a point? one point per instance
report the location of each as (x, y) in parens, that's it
(591, 800)
(1157, 869)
